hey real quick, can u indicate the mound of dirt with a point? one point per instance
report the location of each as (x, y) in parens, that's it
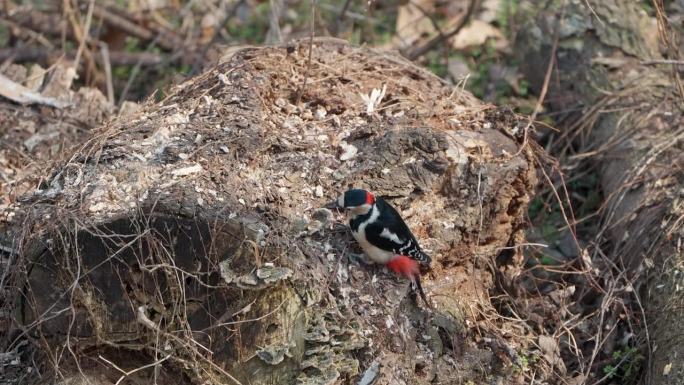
(186, 240)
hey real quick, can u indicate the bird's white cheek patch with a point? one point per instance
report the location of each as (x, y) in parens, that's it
(340, 201)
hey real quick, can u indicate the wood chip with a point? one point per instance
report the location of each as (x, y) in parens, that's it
(187, 170)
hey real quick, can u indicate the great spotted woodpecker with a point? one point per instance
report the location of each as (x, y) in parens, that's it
(383, 235)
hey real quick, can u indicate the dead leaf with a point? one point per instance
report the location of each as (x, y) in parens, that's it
(560, 295)
(412, 23)
(129, 108)
(551, 350)
(348, 151)
(35, 77)
(36, 139)
(490, 10)
(146, 5)
(15, 72)
(208, 27)
(457, 68)
(60, 80)
(579, 380)
(476, 33)
(22, 95)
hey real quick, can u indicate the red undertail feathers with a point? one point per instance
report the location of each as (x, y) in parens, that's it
(405, 266)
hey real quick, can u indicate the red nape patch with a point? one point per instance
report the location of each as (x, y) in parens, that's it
(404, 265)
(370, 199)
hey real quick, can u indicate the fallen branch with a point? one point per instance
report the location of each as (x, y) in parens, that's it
(166, 40)
(43, 56)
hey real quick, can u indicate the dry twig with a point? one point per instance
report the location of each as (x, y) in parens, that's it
(308, 62)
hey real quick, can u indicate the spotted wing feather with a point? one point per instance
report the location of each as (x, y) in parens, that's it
(390, 232)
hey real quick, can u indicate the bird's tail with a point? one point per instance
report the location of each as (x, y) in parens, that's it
(421, 292)
(409, 268)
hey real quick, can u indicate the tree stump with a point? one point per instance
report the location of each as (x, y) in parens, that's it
(187, 240)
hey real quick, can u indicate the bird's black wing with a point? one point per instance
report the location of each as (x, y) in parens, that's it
(390, 232)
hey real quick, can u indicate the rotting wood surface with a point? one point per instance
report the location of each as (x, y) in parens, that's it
(189, 233)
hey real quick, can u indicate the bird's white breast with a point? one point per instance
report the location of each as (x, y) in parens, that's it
(375, 253)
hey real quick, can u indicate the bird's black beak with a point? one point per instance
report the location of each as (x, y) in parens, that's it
(332, 205)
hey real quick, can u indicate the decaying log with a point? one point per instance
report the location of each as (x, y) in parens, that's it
(631, 128)
(191, 231)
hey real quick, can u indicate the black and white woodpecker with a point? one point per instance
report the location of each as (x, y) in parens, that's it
(383, 234)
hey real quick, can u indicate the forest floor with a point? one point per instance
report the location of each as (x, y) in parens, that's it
(136, 50)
